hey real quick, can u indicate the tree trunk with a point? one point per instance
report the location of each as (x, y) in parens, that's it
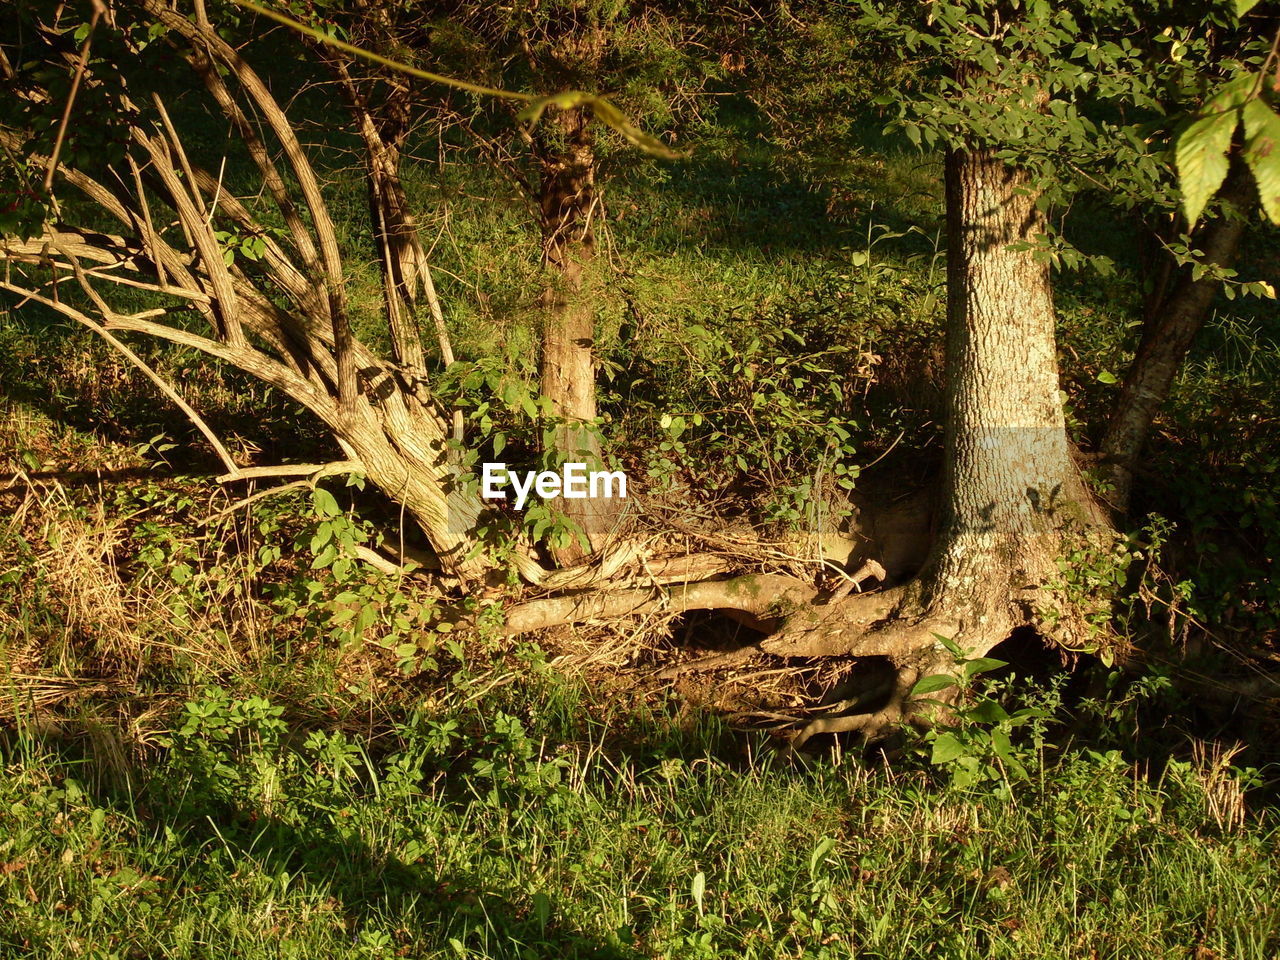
(1009, 482)
(406, 274)
(568, 206)
(1009, 487)
(401, 444)
(1167, 335)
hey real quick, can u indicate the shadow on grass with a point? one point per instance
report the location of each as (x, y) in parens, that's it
(77, 383)
(429, 908)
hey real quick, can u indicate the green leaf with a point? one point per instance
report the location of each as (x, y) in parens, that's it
(983, 665)
(819, 855)
(1262, 153)
(946, 748)
(325, 557)
(698, 888)
(1244, 6)
(1106, 376)
(324, 502)
(542, 909)
(950, 645)
(1000, 743)
(1201, 159)
(933, 683)
(988, 711)
(323, 534)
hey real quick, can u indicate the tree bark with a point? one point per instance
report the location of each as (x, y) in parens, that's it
(569, 204)
(1167, 335)
(406, 273)
(1009, 483)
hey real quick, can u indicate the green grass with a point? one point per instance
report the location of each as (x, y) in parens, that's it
(192, 768)
(470, 833)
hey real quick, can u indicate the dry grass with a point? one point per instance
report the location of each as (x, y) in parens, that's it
(84, 586)
(78, 622)
(1223, 794)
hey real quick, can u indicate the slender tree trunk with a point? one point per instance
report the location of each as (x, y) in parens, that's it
(1167, 335)
(407, 281)
(1009, 484)
(569, 205)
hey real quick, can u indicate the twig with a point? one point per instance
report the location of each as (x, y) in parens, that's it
(328, 469)
(98, 10)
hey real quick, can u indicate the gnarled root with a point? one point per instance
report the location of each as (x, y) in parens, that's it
(929, 658)
(859, 625)
(870, 725)
(876, 625)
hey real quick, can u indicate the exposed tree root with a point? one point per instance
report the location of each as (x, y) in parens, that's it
(630, 561)
(758, 594)
(726, 659)
(860, 625)
(870, 725)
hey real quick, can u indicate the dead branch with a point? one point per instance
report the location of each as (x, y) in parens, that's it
(314, 470)
(163, 385)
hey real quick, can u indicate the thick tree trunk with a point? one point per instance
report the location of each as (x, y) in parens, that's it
(1010, 486)
(1167, 335)
(1009, 483)
(569, 205)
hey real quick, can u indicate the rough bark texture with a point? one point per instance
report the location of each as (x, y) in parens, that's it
(569, 205)
(1009, 483)
(1167, 336)
(1009, 487)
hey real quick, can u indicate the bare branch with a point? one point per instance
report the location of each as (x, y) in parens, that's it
(313, 470)
(324, 230)
(190, 212)
(162, 384)
(98, 10)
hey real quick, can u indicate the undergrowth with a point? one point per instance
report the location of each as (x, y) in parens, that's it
(239, 740)
(525, 820)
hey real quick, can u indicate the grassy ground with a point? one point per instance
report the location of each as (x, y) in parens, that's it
(202, 760)
(530, 823)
